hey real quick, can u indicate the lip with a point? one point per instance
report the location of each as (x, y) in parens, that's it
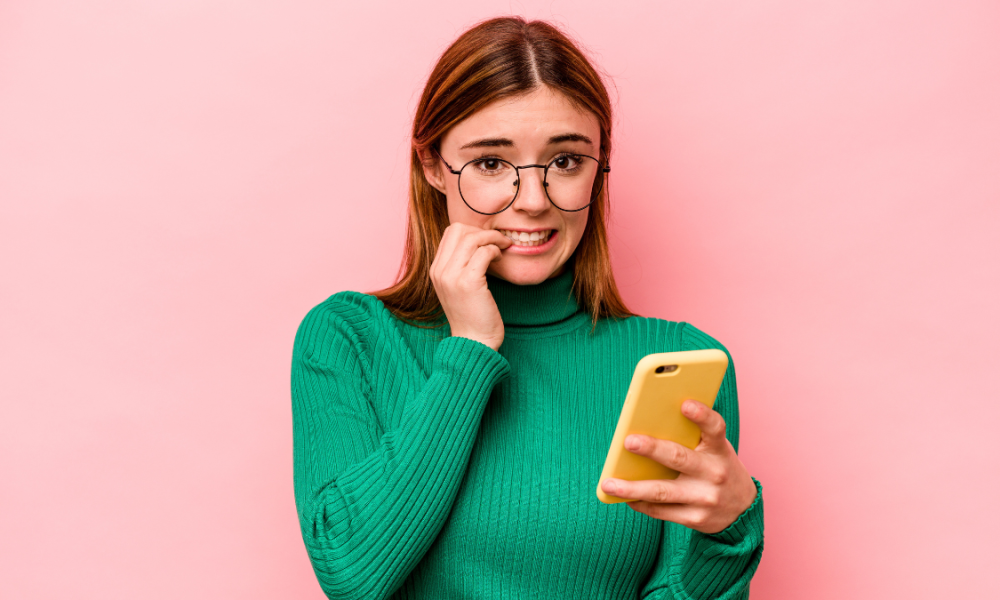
(524, 230)
(529, 250)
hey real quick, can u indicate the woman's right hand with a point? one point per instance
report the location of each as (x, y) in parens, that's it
(459, 277)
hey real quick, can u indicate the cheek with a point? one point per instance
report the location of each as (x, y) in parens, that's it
(458, 212)
(577, 226)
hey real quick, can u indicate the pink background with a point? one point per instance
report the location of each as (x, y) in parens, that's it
(815, 184)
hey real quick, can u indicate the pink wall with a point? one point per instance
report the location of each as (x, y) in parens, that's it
(815, 184)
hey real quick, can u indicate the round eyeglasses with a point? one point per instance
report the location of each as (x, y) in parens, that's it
(489, 185)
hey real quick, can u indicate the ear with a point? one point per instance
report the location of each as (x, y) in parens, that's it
(433, 170)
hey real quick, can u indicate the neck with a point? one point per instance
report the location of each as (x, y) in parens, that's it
(544, 303)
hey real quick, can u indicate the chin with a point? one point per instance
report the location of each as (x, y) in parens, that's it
(525, 274)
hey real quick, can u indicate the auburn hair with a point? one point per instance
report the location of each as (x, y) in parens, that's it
(499, 58)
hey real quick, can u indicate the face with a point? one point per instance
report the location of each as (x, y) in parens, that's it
(520, 130)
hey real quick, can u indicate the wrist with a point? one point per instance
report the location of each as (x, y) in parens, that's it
(493, 344)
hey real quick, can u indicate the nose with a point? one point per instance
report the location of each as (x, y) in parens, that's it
(531, 196)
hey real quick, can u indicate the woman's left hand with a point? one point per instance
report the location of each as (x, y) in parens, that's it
(713, 488)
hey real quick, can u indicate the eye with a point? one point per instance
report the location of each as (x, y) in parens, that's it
(489, 165)
(566, 162)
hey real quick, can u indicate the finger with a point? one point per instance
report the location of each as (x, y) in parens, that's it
(482, 258)
(444, 249)
(668, 453)
(649, 490)
(711, 423)
(472, 241)
(683, 514)
(453, 234)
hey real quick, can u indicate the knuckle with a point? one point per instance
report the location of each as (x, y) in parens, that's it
(676, 455)
(717, 476)
(662, 495)
(713, 498)
(698, 519)
(716, 422)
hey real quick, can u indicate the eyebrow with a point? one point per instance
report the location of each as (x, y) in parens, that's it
(509, 143)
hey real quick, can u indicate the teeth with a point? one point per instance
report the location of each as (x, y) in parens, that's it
(527, 239)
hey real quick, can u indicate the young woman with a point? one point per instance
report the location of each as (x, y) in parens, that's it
(450, 430)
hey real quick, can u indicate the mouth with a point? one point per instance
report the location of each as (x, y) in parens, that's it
(526, 239)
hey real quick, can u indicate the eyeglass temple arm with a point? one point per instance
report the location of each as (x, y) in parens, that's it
(445, 162)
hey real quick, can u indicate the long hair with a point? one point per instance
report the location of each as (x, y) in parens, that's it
(500, 58)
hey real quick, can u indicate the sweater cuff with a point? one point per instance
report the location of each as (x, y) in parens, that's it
(750, 524)
(471, 361)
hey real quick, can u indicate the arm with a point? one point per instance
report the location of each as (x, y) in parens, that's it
(693, 565)
(371, 503)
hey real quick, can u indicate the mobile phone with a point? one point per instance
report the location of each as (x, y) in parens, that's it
(660, 384)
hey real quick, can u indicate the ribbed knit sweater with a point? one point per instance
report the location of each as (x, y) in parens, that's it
(432, 466)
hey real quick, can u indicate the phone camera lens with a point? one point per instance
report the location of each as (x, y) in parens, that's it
(659, 369)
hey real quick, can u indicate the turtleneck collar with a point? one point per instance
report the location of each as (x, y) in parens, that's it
(544, 303)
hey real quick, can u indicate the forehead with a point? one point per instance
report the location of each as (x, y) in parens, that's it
(529, 121)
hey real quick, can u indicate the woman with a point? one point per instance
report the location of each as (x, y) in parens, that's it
(449, 431)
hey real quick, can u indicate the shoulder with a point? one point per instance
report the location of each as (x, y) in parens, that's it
(659, 333)
(348, 305)
(664, 335)
(693, 338)
(344, 310)
(347, 320)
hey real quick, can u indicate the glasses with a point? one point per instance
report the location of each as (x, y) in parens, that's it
(489, 185)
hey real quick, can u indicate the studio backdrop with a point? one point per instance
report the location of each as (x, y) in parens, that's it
(817, 184)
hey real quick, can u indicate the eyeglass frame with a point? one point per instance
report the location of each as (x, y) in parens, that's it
(517, 172)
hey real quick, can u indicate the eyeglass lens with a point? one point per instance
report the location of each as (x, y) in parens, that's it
(489, 185)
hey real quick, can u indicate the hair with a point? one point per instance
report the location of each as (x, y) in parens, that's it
(499, 58)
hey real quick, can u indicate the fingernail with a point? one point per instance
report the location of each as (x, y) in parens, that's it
(610, 487)
(631, 442)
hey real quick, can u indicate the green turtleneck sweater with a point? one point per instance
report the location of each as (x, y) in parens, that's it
(431, 466)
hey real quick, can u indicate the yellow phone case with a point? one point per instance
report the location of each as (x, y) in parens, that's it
(653, 407)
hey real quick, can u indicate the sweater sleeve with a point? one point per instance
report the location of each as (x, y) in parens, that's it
(696, 566)
(370, 503)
